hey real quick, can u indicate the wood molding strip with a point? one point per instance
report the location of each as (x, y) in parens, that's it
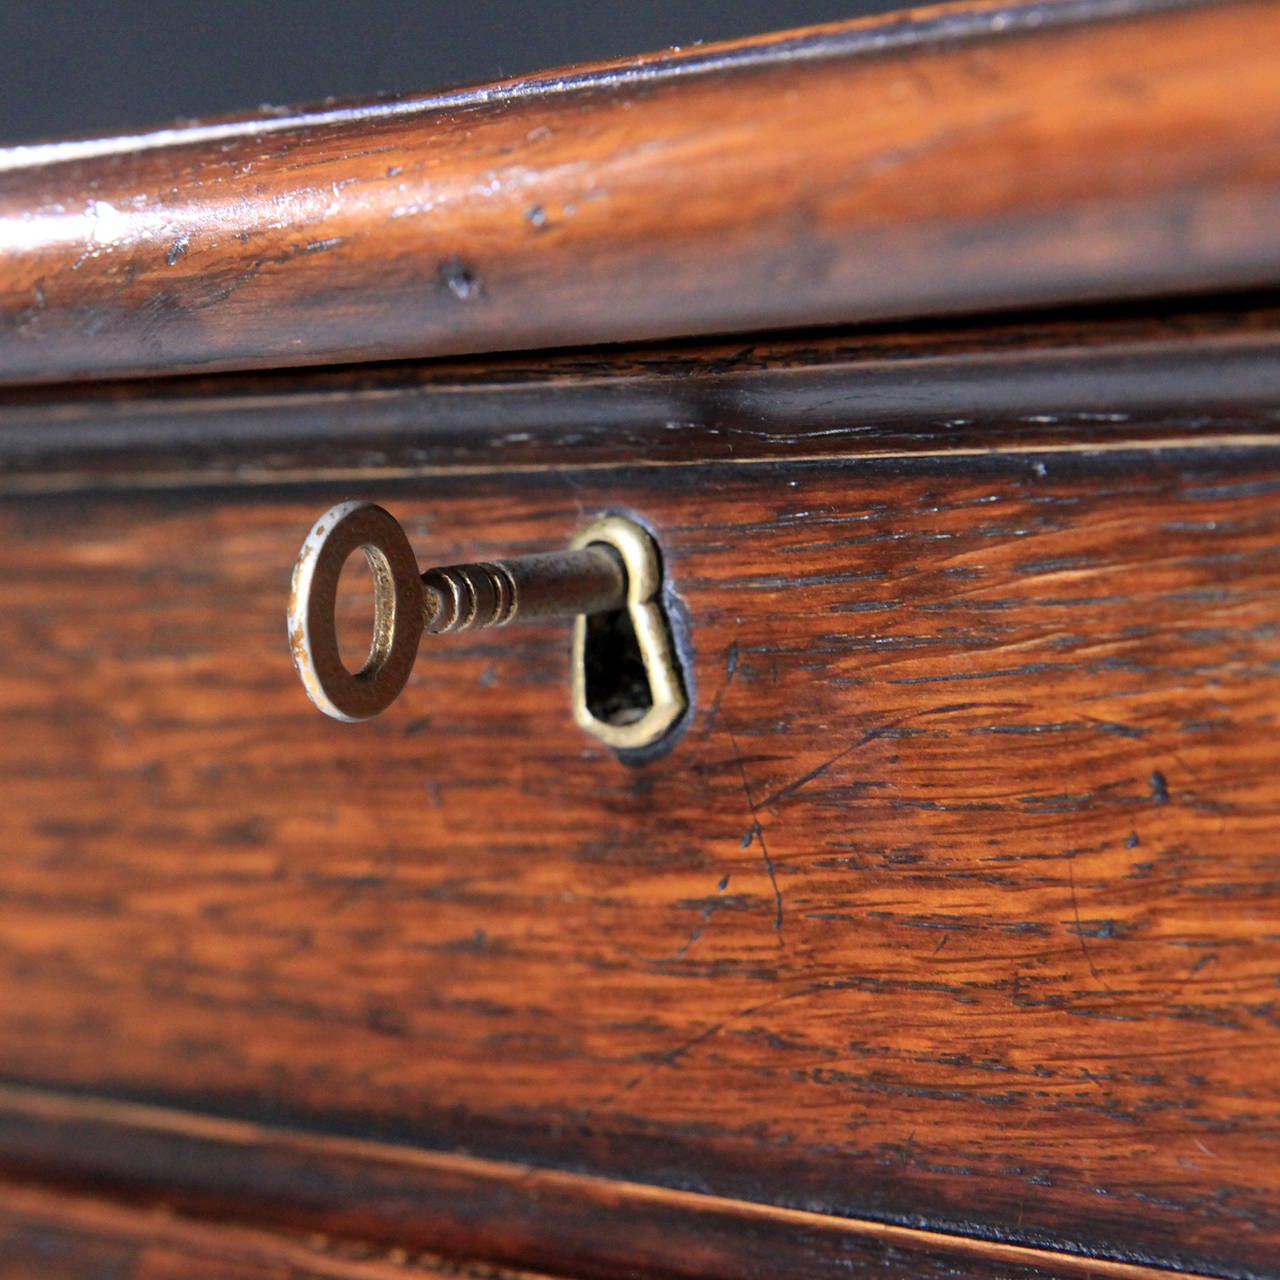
(479, 1209)
(1204, 382)
(961, 160)
(49, 1235)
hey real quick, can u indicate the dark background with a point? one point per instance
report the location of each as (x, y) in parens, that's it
(71, 67)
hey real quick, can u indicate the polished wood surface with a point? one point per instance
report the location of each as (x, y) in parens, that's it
(969, 158)
(954, 907)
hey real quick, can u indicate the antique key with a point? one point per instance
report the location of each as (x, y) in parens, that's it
(609, 581)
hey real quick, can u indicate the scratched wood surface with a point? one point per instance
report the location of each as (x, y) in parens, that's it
(956, 905)
(961, 158)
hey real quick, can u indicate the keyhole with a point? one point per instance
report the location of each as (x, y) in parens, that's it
(617, 683)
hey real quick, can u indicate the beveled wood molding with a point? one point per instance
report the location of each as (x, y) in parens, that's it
(459, 1206)
(1088, 384)
(955, 160)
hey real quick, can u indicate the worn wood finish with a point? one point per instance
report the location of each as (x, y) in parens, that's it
(376, 1192)
(46, 1236)
(972, 158)
(955, 906)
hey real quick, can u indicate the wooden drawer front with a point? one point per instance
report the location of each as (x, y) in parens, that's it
(955, 905)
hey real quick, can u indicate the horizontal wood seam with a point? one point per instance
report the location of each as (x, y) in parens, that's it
(316, 1258)
(52, 483)
(61, 1108)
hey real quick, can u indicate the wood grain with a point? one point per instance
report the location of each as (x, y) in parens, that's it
(956, 906)
(971, 158)
(48, 1236)
(377, 1193)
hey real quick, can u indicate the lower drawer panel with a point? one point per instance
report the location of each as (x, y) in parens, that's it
(957, 903)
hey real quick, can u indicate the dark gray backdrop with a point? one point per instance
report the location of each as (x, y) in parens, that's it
(75, 67)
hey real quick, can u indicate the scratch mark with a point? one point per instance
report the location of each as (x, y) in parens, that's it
(672, 1056)
(656, 962)
(785, 792)
(683, 949)
(1092, 1079)
(1203, 963)
(1075, 907)
(730, 670)
(757, 833)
